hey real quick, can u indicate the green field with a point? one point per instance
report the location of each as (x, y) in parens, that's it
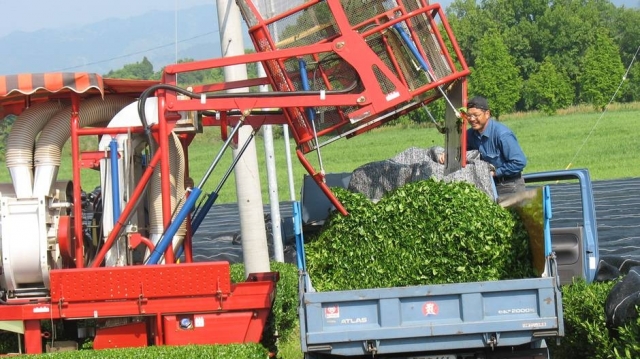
(580, 138)
(605, 143)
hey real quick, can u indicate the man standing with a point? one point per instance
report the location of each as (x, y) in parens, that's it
(497, 145)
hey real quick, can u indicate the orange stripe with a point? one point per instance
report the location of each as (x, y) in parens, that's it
(53, 81)
(100, 84)
(25, 83)
(3, 86)
(82, 82)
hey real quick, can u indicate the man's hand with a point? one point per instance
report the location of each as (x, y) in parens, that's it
(441, 158)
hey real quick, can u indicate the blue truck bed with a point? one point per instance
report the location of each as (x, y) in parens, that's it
(493, 319)
(431, 318)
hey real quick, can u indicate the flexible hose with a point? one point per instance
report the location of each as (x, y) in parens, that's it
(55, 134)
(20, 142)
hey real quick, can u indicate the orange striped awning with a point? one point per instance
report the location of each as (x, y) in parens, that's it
(17, 90)
(28, 84)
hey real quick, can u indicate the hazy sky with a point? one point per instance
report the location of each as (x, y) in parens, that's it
(32, 15)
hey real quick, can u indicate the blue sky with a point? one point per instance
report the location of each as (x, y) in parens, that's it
(34, 15)
(27, 16)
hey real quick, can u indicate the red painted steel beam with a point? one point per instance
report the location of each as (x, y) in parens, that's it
(123, 283)
(87, 131)
(77, 200)
(32, 337)
(252, 120)
(228, 85)
(245, 296)
(244, 59)
(165, 179)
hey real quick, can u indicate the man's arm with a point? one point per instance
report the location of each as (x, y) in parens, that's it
(514, 158)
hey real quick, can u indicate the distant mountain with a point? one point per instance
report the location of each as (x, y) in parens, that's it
(110, 44)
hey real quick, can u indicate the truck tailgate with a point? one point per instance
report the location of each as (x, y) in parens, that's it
(431, 317)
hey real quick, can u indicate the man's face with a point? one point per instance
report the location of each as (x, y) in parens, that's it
(478, 118)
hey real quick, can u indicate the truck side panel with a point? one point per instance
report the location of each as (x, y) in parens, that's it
(431, 317)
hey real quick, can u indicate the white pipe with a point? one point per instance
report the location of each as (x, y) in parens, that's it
(272, 179)
(274, 201)
(287, 150)
(255, 251)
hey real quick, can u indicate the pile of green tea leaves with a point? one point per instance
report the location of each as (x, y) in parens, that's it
(425, 232)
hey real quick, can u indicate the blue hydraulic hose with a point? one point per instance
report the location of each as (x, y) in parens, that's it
(195, 223)
(202, 213)
(546, 198)
(200, 216)
(412, 47)
(167, 238)
(423, 63)
(302, 262)
(297, 230)
(305, 85)
(115, 180)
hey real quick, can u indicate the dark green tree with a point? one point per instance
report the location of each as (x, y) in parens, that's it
(5, 128)
(523, 42)
(468, 22)
(602, 71)
(138, 71)
(517, 21)
(568, 28)
(631, 91)
(495, 74)
(548, 89)
(534, 30)
(625, 31)
(198, 77)
(566, 36)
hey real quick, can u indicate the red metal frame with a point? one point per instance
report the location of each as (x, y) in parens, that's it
(150, 292)
(161, 294)
(75, 160)
(147, 292)
(128, 335)
(350, 44)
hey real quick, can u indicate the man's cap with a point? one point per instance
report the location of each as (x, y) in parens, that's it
(478, 102)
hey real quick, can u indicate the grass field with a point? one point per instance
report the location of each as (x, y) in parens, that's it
(605, 143)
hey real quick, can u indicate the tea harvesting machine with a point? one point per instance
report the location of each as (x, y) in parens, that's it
(117, 264)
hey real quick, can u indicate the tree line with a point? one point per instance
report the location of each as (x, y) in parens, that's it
(524, 54)
(547, 55)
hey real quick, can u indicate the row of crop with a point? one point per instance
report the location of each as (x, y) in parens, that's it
(245, 351)
(586, 332)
